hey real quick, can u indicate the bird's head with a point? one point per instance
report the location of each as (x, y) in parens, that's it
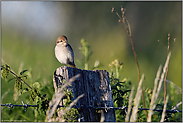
(62, 40)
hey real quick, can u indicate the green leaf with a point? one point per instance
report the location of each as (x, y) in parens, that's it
(25, 90)
(23, 76)
(33, 94)
(18, 84)
(5, 71)
(12, 79)
(22, 72)
(70, 93)
(37, 85)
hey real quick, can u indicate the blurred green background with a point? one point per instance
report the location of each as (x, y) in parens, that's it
(30, 29)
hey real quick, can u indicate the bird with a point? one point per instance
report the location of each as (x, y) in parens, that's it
(64, 52)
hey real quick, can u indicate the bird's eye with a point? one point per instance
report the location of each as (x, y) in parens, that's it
(60, 40)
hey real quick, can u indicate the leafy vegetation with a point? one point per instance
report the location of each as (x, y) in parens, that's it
(120, 89)
(39, 78)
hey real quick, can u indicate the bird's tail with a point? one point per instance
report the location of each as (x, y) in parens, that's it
(73, 66)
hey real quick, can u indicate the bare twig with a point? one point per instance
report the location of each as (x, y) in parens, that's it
(162, 44)
(127, 25)
(168, 50)
(168, 47)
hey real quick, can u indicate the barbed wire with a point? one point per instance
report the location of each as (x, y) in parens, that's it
(10, 105)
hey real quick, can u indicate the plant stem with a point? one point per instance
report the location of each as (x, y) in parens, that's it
(124, 20)
(168, 48)
(86, 66)
(117, 72)
(17, 76)
(138, 69)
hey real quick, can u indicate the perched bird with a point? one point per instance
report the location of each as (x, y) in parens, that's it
(64, 52)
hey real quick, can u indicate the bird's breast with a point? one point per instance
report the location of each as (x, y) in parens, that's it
(64, 54)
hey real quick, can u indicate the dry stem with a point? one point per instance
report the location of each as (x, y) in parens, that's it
(152, 104)
(129, 105)
(168, 50)
(127, 25)
(137, 101)
(166, 71)
(164, 110)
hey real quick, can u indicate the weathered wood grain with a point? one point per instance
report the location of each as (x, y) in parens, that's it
(95, 86)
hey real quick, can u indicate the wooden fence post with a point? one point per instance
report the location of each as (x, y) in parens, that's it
(95, 86)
